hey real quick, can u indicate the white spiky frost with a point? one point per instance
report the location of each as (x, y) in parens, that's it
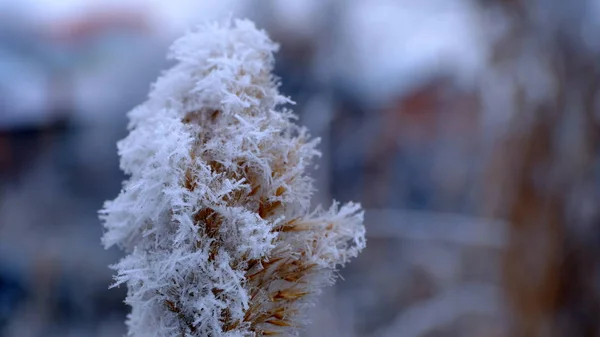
(215, 215)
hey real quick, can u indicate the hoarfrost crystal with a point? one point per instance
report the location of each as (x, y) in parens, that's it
(215, 216)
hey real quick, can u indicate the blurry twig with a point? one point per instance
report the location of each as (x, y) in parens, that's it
(433, 226)
(449, 306)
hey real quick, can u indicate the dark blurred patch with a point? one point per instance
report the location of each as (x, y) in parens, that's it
(12, 292)
(20, 147)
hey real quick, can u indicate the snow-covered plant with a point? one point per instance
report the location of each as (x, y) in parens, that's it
(215, 215)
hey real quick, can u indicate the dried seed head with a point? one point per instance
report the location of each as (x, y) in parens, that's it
(215, 215)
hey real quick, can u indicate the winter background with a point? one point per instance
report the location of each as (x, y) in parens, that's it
(395, 89)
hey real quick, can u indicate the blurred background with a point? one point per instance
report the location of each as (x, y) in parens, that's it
(468, 129)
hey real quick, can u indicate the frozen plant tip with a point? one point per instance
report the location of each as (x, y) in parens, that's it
(215, 215)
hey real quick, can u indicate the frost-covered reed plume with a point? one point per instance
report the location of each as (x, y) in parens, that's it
(215, 215)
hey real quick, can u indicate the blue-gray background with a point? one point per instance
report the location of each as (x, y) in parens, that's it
(393, 88)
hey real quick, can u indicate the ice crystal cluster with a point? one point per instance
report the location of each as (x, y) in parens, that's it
(215, 216)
